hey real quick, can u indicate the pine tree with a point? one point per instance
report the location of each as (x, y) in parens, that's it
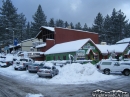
(59, 23)
(9, 20)
(51, 23)
(107, 29)
(126, 33)
(85, 28)
(21, 27)
(78, 26)
(28, 32)
(121, 24)
(39, 20)
(117, 25)
(98, 26)
(66, 24)
(71, 25)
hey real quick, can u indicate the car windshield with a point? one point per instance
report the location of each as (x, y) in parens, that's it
(35, 64)
(46, 67)
(23, 60)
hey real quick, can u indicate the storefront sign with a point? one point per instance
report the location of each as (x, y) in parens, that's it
(80, 53)
(88, 46)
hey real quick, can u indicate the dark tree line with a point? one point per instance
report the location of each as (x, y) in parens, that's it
(110, 28)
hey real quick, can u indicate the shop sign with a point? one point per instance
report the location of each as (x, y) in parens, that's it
(80, 53)
(88, 46)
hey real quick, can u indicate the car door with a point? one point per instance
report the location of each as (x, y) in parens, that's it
(116, 67)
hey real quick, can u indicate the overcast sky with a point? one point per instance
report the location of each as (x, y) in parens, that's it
(83, 11)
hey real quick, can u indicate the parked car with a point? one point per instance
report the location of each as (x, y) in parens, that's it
(3, 64)
(6, 62)
(22, 64)
(48, 71)
(34, 67)
(108, 66)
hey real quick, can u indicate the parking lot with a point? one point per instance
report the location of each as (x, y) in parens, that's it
(12, 88)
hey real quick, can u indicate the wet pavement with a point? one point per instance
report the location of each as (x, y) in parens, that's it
(12, 88)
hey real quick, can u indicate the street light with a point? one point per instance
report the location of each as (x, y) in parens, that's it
(13, 37)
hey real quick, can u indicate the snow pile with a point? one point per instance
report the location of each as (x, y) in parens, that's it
(68, 74)
(77, 73)
(34, 95)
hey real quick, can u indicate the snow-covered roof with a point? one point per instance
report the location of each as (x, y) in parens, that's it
(71, 46)
(28, 39)
(11, 46)
(110, 48)
(41, 53)
(49, 28)
(41, 45)
(125, 40)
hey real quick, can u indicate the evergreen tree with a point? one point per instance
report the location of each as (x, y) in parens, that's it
(51, 23)
(121, 24)
(39, 20)
(98, 26)
(126, 31)
(107, 29)
(85, 28)
(117, 25)
(28, 32)
(59, 23)
(78, 26)
(9, 20)
(66, 24)
(21, 27)
(71, 25)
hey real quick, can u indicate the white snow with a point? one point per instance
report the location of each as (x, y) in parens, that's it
(68, 74)
(41, 45)
(34, 95)
(124, 40)
(71, 46)
(119, 48)
(49, 28)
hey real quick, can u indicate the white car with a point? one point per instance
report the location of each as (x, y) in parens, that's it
(108, 66)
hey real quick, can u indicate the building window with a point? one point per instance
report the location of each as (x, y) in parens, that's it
(54, 58)
(59, 58)
(64, 57)
(96, 57)
(31, 49)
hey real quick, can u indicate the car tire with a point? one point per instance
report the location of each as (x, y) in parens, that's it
(106, 71)
(52, 75)
(126, 72)
(29, 71)
(26, 68)
(39, 75)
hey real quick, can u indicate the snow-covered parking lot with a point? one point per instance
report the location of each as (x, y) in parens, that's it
(68, 74)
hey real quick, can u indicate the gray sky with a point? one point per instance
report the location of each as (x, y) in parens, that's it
(83, 11)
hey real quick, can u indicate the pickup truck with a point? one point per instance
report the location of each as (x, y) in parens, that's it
(108, 66)
(22, 64)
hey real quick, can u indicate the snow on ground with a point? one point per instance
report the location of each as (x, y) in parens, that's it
(34, 95)
(68, 74)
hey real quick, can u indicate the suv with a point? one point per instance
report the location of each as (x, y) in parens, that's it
(108, 66)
